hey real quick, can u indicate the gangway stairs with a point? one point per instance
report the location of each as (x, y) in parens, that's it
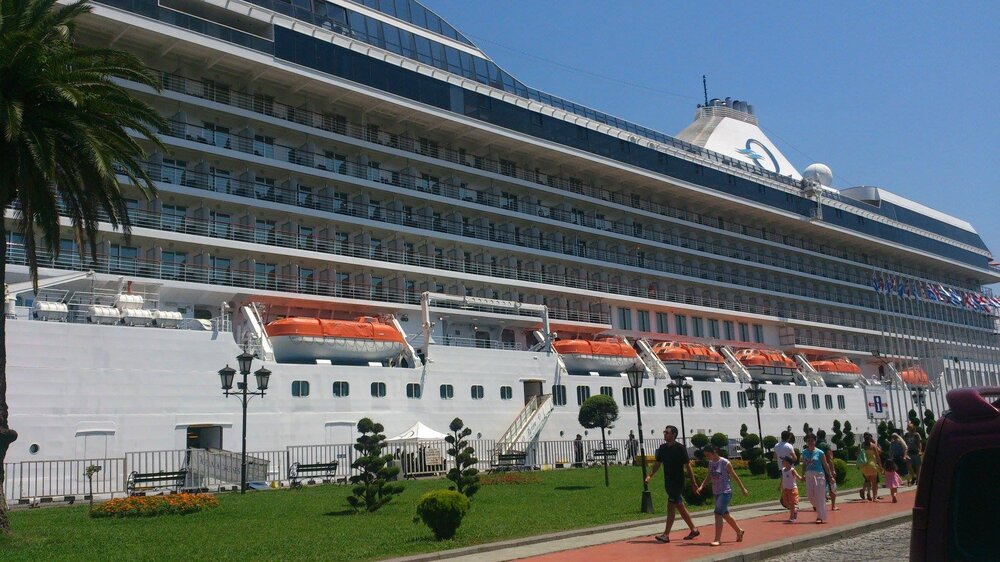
(807, 372)
(527, 425)
(408, 353)
(651, 361)
(545, 344)
(739, 372)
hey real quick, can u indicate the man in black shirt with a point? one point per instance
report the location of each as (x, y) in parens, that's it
(674, 458)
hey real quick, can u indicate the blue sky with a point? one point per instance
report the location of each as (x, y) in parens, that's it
(904, 96)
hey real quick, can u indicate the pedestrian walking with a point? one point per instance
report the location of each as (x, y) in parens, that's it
(578, 451)
(816, 469)
(897, 452)
(784, 448)
(632, 446)
(870, 467)
(674, 458)
(914, 450)
(892, 479)
(790, 488)
(721, 473)
(831, 477)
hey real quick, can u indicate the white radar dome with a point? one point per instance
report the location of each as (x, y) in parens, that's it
(819, 173)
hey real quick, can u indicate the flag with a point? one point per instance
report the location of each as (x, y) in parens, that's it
(890, 284)
(929, 292)
(876, 282)
(951, 296)
(901, 288)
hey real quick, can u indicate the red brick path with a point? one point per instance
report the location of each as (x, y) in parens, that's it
(760, 531)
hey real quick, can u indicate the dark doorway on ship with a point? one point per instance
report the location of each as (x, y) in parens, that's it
(204, 437)
(482, 339)
(531, 390)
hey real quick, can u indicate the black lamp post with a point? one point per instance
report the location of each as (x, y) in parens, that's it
(635, 375)
(227, 374)
(679, 389)
(918, 400)
(755, 394)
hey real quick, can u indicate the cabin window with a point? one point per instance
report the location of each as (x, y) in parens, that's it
(506, 393)
(706, 398)
(628, 396)
(727, 327)
(741, 399)
(802, 401)
(625, 318)
(559, 394)
(413, 390)
(841, 403)
(772, 399)
(582, 394)
(725, 399)
(643, 317)
(341, 389)
(697, 327)
(788, 401)
(608, 391)
(378, 389)
(300, 388)
(447, 392)
(649, 397)
(758, 333)
(689, 399)
(815, 401)
(744, 331)
(680, 322)
(828, 400)
(662, 326)
(477, 392)
(668, 399)
(713, 328)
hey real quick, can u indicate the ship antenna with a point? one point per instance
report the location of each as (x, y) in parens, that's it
(704, 87)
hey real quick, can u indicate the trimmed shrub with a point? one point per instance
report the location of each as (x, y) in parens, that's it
(840, 454)
(770, 441)
(689, 496)
(852, 452)
(442, 511)
(699, 440)
(840, 468)
(773, 470)
(720, 440)
(758, 466)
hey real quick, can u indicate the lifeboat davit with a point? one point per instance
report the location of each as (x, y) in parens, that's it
(915, 376)
(768, 365)
(690, 359)
(607, 356)
(837, 371)
(342, 342)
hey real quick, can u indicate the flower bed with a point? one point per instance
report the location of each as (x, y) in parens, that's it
(151, 506)
(509, 478)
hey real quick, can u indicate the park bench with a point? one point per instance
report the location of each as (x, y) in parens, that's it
(298, 471)
(512, 460)
(139, 482)
(599, 455)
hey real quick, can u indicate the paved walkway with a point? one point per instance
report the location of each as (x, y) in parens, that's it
(767, 534)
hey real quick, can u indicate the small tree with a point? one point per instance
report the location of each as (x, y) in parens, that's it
(442, 511)
(749, 444)
(372, 489)
(769, 442)
(743, 430)
(720, 440)
(850, 441)
(600, 411)
(698, 441)
(838, 435)
(89, 473)
(464, 473)
(928, 424)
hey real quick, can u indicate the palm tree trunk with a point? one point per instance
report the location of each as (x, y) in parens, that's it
(7, 435)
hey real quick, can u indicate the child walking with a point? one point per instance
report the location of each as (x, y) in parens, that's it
(892, 479)
(720, 470)
(790, 488)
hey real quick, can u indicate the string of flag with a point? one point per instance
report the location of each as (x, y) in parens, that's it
(922, 290)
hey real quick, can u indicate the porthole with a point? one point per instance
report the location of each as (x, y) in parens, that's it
(34, 448)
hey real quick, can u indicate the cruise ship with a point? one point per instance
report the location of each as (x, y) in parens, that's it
(397, 228)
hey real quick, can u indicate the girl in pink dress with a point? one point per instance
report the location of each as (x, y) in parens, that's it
(892, 479)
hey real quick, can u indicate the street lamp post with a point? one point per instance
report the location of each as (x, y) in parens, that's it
(756, 396)
(226, 374)
(918, 400)
(635, 375)
(678, 389)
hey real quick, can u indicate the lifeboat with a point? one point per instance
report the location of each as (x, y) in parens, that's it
(694, 360)
(915, 376)
(342, 342)
(768, 365)
(837, 371)
(607, 356)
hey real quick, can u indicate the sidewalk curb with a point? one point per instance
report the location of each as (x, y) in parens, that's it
(560, 535)
(764, 552)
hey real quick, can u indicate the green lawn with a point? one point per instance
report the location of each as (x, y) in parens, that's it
(312, 524)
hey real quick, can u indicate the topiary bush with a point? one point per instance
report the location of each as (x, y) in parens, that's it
(840, 467)
(699, 440)
(758, 466)
(720, 440)
(706, 494)
(770, 441)
(840, 454)
(773, 470)
(442, 511)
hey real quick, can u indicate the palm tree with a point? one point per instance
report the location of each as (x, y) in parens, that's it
(66, 132)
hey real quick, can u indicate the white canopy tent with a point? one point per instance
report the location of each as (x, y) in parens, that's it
(417, 433)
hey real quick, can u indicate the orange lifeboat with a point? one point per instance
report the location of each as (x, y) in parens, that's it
(605, 356)
(915, 376)
(690, 359)
(768, 364)
(342, 342)
(837, 370)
